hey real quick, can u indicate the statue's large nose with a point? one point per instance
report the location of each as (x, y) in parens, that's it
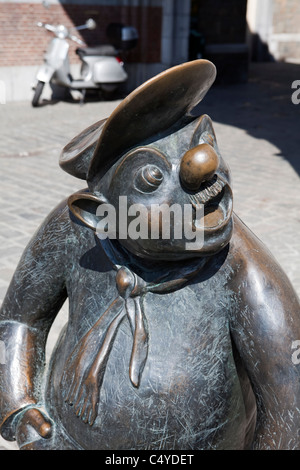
(198, 165)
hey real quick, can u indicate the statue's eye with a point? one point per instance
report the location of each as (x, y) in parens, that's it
(148, 179)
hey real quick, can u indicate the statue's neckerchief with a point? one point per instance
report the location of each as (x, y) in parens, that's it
(132, 288)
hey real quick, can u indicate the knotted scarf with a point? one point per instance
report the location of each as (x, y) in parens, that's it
(87, 363)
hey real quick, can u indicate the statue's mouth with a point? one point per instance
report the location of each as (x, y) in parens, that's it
(210, 234)
(216, 197)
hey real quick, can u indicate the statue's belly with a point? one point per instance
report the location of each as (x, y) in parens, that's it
(189, 396)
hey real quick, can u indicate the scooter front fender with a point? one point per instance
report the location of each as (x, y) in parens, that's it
(45, 73)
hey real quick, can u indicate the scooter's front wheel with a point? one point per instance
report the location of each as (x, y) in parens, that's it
(37, 93)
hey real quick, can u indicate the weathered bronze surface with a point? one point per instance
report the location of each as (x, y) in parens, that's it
(166, 347)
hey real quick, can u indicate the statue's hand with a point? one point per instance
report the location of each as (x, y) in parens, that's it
(87, 399)
(33, 424)
(80, 387)
(74, 372)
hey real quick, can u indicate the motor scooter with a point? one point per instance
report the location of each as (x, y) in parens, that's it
(101, 69)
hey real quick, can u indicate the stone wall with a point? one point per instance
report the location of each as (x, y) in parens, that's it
(274, 32)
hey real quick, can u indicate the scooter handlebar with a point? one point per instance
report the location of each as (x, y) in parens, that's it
(63, 32)
(89, 24)
(76, 39)
(50, 27)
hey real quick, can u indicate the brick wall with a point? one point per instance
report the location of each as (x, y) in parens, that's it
(274, 31)
(23, 43)
(285, 38)
(286, 16)
(288, 50)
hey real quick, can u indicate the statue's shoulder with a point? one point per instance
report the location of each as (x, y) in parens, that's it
(61, 228)
(57, 224)
(246, 246)
(252, 262)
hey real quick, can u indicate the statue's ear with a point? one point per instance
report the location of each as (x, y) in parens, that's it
(84, 205)
(204, 132)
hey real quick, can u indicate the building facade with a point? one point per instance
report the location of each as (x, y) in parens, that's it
(163, 27)
(274, 30)
(228, 32)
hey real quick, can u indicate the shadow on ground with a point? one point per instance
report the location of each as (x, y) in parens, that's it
(263, 107)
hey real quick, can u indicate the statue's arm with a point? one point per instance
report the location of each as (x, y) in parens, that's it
(34, 297)
(264, 325)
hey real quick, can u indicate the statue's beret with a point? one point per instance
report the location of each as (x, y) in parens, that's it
(151, 108)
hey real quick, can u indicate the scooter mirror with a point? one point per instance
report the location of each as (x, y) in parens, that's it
(90, 23)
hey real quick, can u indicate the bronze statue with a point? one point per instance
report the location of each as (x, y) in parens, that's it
(172, 342)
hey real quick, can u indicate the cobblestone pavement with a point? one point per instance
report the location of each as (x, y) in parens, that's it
(257, 127)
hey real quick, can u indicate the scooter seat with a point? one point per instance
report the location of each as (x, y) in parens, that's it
(106, 50)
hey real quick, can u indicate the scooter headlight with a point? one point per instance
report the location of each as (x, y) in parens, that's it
(61, 31)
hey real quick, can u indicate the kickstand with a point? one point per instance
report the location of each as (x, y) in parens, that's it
(83, 93)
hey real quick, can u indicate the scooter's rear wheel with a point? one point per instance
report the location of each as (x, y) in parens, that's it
(37, 93)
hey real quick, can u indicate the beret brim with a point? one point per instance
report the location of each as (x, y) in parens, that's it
(151, 108)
